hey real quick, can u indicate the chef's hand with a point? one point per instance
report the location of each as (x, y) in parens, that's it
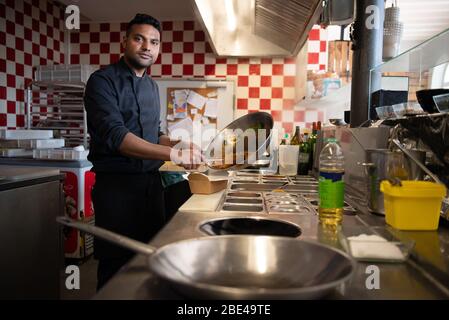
(187, 155)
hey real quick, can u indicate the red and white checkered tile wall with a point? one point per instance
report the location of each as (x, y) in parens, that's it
(35, 37)
(31, 34)
(317, 49)
(261, 84)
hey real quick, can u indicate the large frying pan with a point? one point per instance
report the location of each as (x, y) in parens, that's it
(228, 141)
(240, 266)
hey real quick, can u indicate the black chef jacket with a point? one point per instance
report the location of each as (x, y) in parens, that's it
(118, 102)
(128, 194)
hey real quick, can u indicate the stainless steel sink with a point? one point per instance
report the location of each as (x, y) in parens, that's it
(249, 173)
(244, 194)
(241, 207)
(243, 201)
(278, 182)
(274, 177)
(250, 225)
(288, 208)
(246, 181)
(255, 187)
(305, 183)
(262, 197)
(301, 188)
(282, 202)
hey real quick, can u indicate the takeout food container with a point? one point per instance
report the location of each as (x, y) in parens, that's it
(202, 184)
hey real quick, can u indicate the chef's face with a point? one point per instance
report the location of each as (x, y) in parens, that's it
(142, 45)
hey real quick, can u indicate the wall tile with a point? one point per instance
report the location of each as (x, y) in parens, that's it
(266, 84)
(30, 38)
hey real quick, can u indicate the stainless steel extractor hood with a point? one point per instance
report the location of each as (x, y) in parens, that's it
(257, 28)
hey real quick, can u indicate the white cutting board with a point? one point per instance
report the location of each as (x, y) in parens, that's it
(203, 202)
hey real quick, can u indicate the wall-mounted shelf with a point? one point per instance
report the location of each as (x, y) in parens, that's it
(58, 106)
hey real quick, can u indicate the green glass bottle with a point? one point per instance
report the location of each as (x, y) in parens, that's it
(296, 139)
(312, 142)
(304, 156)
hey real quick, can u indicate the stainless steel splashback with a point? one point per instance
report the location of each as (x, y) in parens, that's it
(354, 142)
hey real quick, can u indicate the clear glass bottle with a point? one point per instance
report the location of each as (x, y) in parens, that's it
(331, 184)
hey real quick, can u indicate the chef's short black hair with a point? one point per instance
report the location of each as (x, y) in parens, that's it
(142, 18)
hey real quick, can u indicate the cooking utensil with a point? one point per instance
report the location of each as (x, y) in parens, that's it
(422, 166)
(281, 187)
(228, 147)
(382, 164)
(414, 171)
(338, 122)
(395, 181)
(240, 266)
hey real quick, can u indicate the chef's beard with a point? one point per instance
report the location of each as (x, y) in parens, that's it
(138, 64)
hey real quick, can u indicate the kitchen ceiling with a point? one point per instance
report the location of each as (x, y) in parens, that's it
(262, 28)
(257, 28)
(123, 11)
(423, 18)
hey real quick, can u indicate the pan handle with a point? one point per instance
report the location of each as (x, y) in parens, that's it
(107, 235)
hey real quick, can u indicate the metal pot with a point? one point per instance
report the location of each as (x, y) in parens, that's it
(240, 266)
(414, 171)
(382, 164)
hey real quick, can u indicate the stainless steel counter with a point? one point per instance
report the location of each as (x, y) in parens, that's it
(18, 176)
(32, 243)
(425, 275)
(411, 280)
(45, 163)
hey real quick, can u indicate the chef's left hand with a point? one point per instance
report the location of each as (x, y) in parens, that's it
(187, 155)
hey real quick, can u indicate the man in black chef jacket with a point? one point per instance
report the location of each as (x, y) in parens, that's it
(127, 148)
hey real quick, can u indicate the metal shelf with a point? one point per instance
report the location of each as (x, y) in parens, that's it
(59, 128)
(65, 106)
(60, 84)
(56, 113)
(64, 121)
(65, 110)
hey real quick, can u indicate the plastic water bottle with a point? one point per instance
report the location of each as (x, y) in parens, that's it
(331, 185)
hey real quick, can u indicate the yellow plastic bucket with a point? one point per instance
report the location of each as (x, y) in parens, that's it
(415, 205)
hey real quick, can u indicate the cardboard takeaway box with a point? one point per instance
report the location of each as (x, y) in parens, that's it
(202, 184)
